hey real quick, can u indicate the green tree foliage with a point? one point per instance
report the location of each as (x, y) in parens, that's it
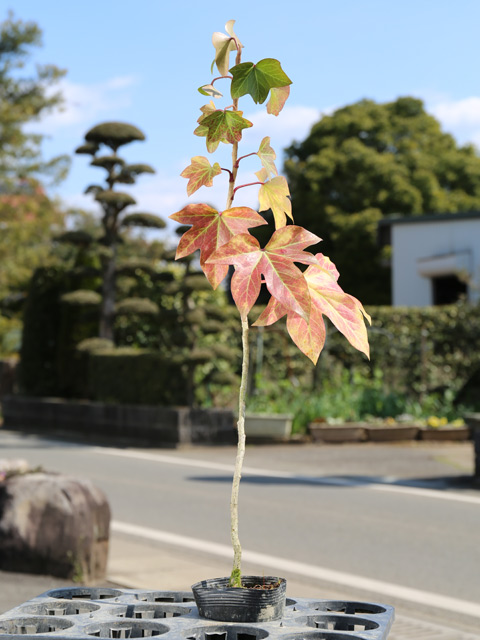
(27, 219)
(369, 160)
(24, 99)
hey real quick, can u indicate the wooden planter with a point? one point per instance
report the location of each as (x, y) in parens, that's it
(445, 433)
(394, 433)
(337, 433)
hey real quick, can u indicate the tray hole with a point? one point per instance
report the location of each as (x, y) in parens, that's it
(350, 608)
(165, 596)
(231, 632)
(216, 636)
(81, 593)
(342, 623)
(123, 629)
(156, 610)
(34, 625)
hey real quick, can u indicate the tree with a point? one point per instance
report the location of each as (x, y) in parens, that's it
(370, 160)
(113, 203)
(24, 99)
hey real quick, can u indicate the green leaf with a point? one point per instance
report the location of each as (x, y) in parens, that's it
(257, 80)
(274, 195)
(201, 130)
(278, 97)
(225, 126)
(200, 173)
(267, 157)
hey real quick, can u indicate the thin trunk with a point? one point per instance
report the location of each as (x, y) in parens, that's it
(236, 575)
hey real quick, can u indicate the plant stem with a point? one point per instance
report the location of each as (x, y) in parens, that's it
(236, 576)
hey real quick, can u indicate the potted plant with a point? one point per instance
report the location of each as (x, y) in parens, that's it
(223, 239)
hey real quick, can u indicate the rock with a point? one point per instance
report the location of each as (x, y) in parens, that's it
(54, 525)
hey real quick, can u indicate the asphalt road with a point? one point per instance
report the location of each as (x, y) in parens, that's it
(402, 516)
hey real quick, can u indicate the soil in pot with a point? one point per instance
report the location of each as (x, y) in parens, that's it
(262, 598)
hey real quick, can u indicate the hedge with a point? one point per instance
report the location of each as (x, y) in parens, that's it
(132, 376)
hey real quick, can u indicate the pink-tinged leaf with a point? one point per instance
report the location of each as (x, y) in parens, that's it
(200, 173)
(278, 97)
(262, 175)
(327, 298)
(210, 230)
(267, 157)
(308, 336)
(275, 262)
(274, 195)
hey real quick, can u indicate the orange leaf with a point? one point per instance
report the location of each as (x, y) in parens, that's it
(210, 230)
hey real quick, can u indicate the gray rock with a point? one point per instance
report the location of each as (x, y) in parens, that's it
(54, 525)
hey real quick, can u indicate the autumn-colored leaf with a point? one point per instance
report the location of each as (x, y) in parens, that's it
(274, 195)
(257, 79)
(223, 46)
(327, 298)
(200, 173)
(201, 130)
(224, 126)
(267, 157)
(276, 263)
(210, 230)
(278, 97)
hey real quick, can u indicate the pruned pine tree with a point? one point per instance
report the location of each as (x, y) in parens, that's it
(114, 203)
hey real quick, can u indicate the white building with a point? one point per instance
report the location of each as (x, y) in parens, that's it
(435, 258)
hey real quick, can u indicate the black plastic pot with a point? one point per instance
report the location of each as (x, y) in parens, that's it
(217, 601)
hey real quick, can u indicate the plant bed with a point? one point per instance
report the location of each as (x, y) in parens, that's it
(332, 433)
(128, 613)
(447, 432)
(391, 433)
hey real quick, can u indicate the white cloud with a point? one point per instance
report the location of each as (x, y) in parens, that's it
(461, 118)
(84, 103)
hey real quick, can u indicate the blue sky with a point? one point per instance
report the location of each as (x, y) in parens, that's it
(141, 61)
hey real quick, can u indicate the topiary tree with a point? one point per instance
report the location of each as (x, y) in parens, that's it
(113, 203)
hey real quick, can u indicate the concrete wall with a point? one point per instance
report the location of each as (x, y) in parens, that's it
(422, 250)
(119, 423)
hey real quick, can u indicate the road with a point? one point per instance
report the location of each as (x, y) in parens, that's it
(342, 514)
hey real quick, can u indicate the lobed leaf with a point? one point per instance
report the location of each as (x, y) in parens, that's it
(274, 195)
(275, 263)
(267, 157)
(225, 126)
(210, 230)
(257, 79)
(327, 298)
(200, 173)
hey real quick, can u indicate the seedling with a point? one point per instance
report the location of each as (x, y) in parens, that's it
(223, 237)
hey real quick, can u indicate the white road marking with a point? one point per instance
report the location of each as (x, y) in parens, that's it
(301, 569)
(388, 485)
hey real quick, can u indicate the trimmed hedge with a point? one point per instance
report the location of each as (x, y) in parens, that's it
(132, 376)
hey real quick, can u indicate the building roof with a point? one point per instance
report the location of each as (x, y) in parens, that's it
(395, 218)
